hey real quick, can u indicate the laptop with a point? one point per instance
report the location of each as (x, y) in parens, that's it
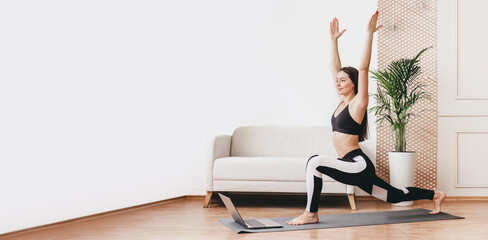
(248, 223)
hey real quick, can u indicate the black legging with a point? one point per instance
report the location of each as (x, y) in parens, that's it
(355, 168)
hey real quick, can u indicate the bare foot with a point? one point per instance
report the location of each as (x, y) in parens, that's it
(305, 218)
(438, 198)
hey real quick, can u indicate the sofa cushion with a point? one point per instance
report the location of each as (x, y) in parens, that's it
(282, 141)
(290, 169)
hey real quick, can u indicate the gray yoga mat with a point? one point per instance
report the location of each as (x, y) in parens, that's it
(349, 220)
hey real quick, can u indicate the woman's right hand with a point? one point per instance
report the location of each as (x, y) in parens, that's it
(334, 29)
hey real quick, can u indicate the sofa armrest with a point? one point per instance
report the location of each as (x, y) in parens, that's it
(219, 147)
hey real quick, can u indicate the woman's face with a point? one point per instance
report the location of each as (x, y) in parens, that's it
(344, 84)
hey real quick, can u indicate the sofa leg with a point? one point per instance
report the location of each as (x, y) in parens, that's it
(351, 201)
(206, 203)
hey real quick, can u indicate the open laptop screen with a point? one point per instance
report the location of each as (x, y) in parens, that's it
(232, 210)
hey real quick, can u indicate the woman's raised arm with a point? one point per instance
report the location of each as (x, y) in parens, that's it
(366, 59)
(335, 60)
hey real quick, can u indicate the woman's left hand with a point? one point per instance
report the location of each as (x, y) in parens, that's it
(372, 25)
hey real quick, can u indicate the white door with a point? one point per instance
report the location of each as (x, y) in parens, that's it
(462, 147)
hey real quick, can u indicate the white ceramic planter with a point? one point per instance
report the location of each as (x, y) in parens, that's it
(402, 171)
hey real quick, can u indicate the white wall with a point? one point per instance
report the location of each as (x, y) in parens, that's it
(110, 104)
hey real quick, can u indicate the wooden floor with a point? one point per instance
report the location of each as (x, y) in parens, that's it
(186, 219)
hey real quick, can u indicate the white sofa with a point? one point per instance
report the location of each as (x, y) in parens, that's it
(269, 159)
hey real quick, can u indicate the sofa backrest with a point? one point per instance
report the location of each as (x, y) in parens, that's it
(282, 141)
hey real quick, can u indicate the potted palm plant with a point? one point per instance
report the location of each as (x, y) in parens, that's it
(397, 91)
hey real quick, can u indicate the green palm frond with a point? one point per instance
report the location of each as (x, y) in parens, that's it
(397, 91)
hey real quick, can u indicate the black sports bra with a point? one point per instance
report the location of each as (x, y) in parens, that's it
(344, 123)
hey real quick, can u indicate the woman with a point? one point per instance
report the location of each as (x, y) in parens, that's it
(353, 167)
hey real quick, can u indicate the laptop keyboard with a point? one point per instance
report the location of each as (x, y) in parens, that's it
(254, 223)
